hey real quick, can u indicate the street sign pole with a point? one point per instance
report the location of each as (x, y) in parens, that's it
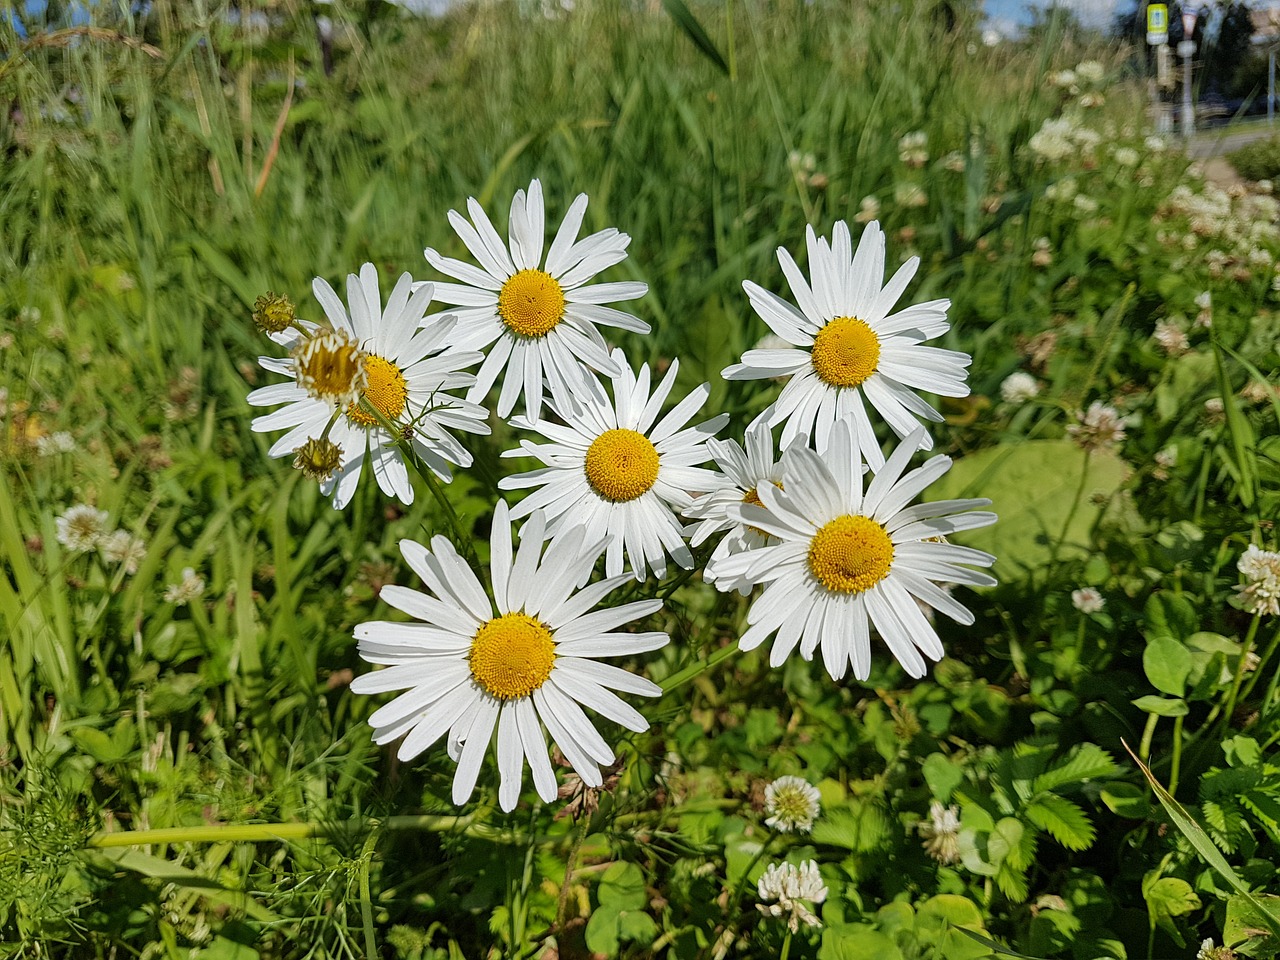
(1186, 50)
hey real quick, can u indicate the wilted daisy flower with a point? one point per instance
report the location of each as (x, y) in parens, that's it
(406, 369)
(744, 471)
(1019, 387)
(521, 661)
(850, 351)
(81, 528)
(622, 471)
(540, 317)
(784, 887)
(1260, 593)
(941, 833)
(1171, 338)
(791, 803)
(1098, 427)
(849, 559)
(1087, 600)
(273, 313)
(190, 587)
(124, 549)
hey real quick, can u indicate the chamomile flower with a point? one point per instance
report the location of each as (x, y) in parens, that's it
(849, 350)
(514, 664)
(849, 559)
(744, 471)
(622, 471)
(378, 355)
(537, 317)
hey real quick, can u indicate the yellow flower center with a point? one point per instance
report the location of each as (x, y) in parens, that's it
(621, 465)
(850, 554)
(512, 655)
(331, 367)
(845, 352)
(386, 389)
(531, 303)
(753, 497)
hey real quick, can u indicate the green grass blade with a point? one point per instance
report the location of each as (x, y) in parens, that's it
(679, 12)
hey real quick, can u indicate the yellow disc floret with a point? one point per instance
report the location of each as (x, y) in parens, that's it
(386, 389)
(512, 655)
(850, 554)
(621, 465)
(531, 303)
(845, 352)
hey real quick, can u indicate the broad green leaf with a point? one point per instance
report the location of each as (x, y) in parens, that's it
(939, 921)
(941, 775)
(996, 948)
(1126, 800)
(1169, 614)
(1246, 928)
(224, 949)
(166, 871)
(1162, 706)
(602, 929)
(1167, 664)
(1062, 819)
(1033, 489)
(622, 886)
(856, 941)
(1167, 898)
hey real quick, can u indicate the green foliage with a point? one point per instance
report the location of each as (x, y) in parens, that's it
(1259, 160)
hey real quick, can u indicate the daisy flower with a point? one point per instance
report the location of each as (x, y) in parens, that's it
(537, 317)
(849, 559)
(848, 350)
(620, 470)
(514, 664)
(744, 471)
(380, 355)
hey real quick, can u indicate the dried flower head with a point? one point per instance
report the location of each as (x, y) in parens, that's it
(941, 833)
(790, 885)
(331, 367)
(1260, 592)
(191, 587)
(123, 549)
(273, 313)
(1171, 338)
(1098, 427)
(81, 528)
(318, 458)
(791, 803)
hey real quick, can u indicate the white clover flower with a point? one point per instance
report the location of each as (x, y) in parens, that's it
(868, 210)
(1054, 140)
(1019, 387)
(791, 803)
(124, 549)
(1155, 144)
(1085, 204)
(1098, 427)
(55, 443)
(1127, 157)
(1063, 78)
(1171, 337)
(790, 885)
(191, 587)
(941, 833)
(1165, 460)
(910, 195)
(81, 528)
(1260, 593)
(1087, 600)
(1090, 71)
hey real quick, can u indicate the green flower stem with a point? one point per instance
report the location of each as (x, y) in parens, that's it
(1261, 670)
(1245, 647)
(1176, 763)
(1149, 731)
(786, 945)
(682, 677)
(270, 832)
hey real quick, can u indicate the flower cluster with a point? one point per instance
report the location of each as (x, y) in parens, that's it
(820, 515)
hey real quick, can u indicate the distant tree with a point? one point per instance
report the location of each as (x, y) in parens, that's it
(1223, 36)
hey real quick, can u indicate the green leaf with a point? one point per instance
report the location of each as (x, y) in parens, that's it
(856, 941)
(1088, 761)
(1126, 800)
(1167, 898)
(98, 745)
(1167, 664)
(940, 921)
(622, 886)
(1246, 928)
(602, 929)
(683, 16)
(1063, 819)
(1162, 706)
(1170, 615)
(996, 948)
(168, 872)
(941, 775)
(224, 949)
(1203, 845)
(1243, 443)
(1033, 489)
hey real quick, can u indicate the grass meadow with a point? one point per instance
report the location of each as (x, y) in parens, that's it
(1090, 772)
